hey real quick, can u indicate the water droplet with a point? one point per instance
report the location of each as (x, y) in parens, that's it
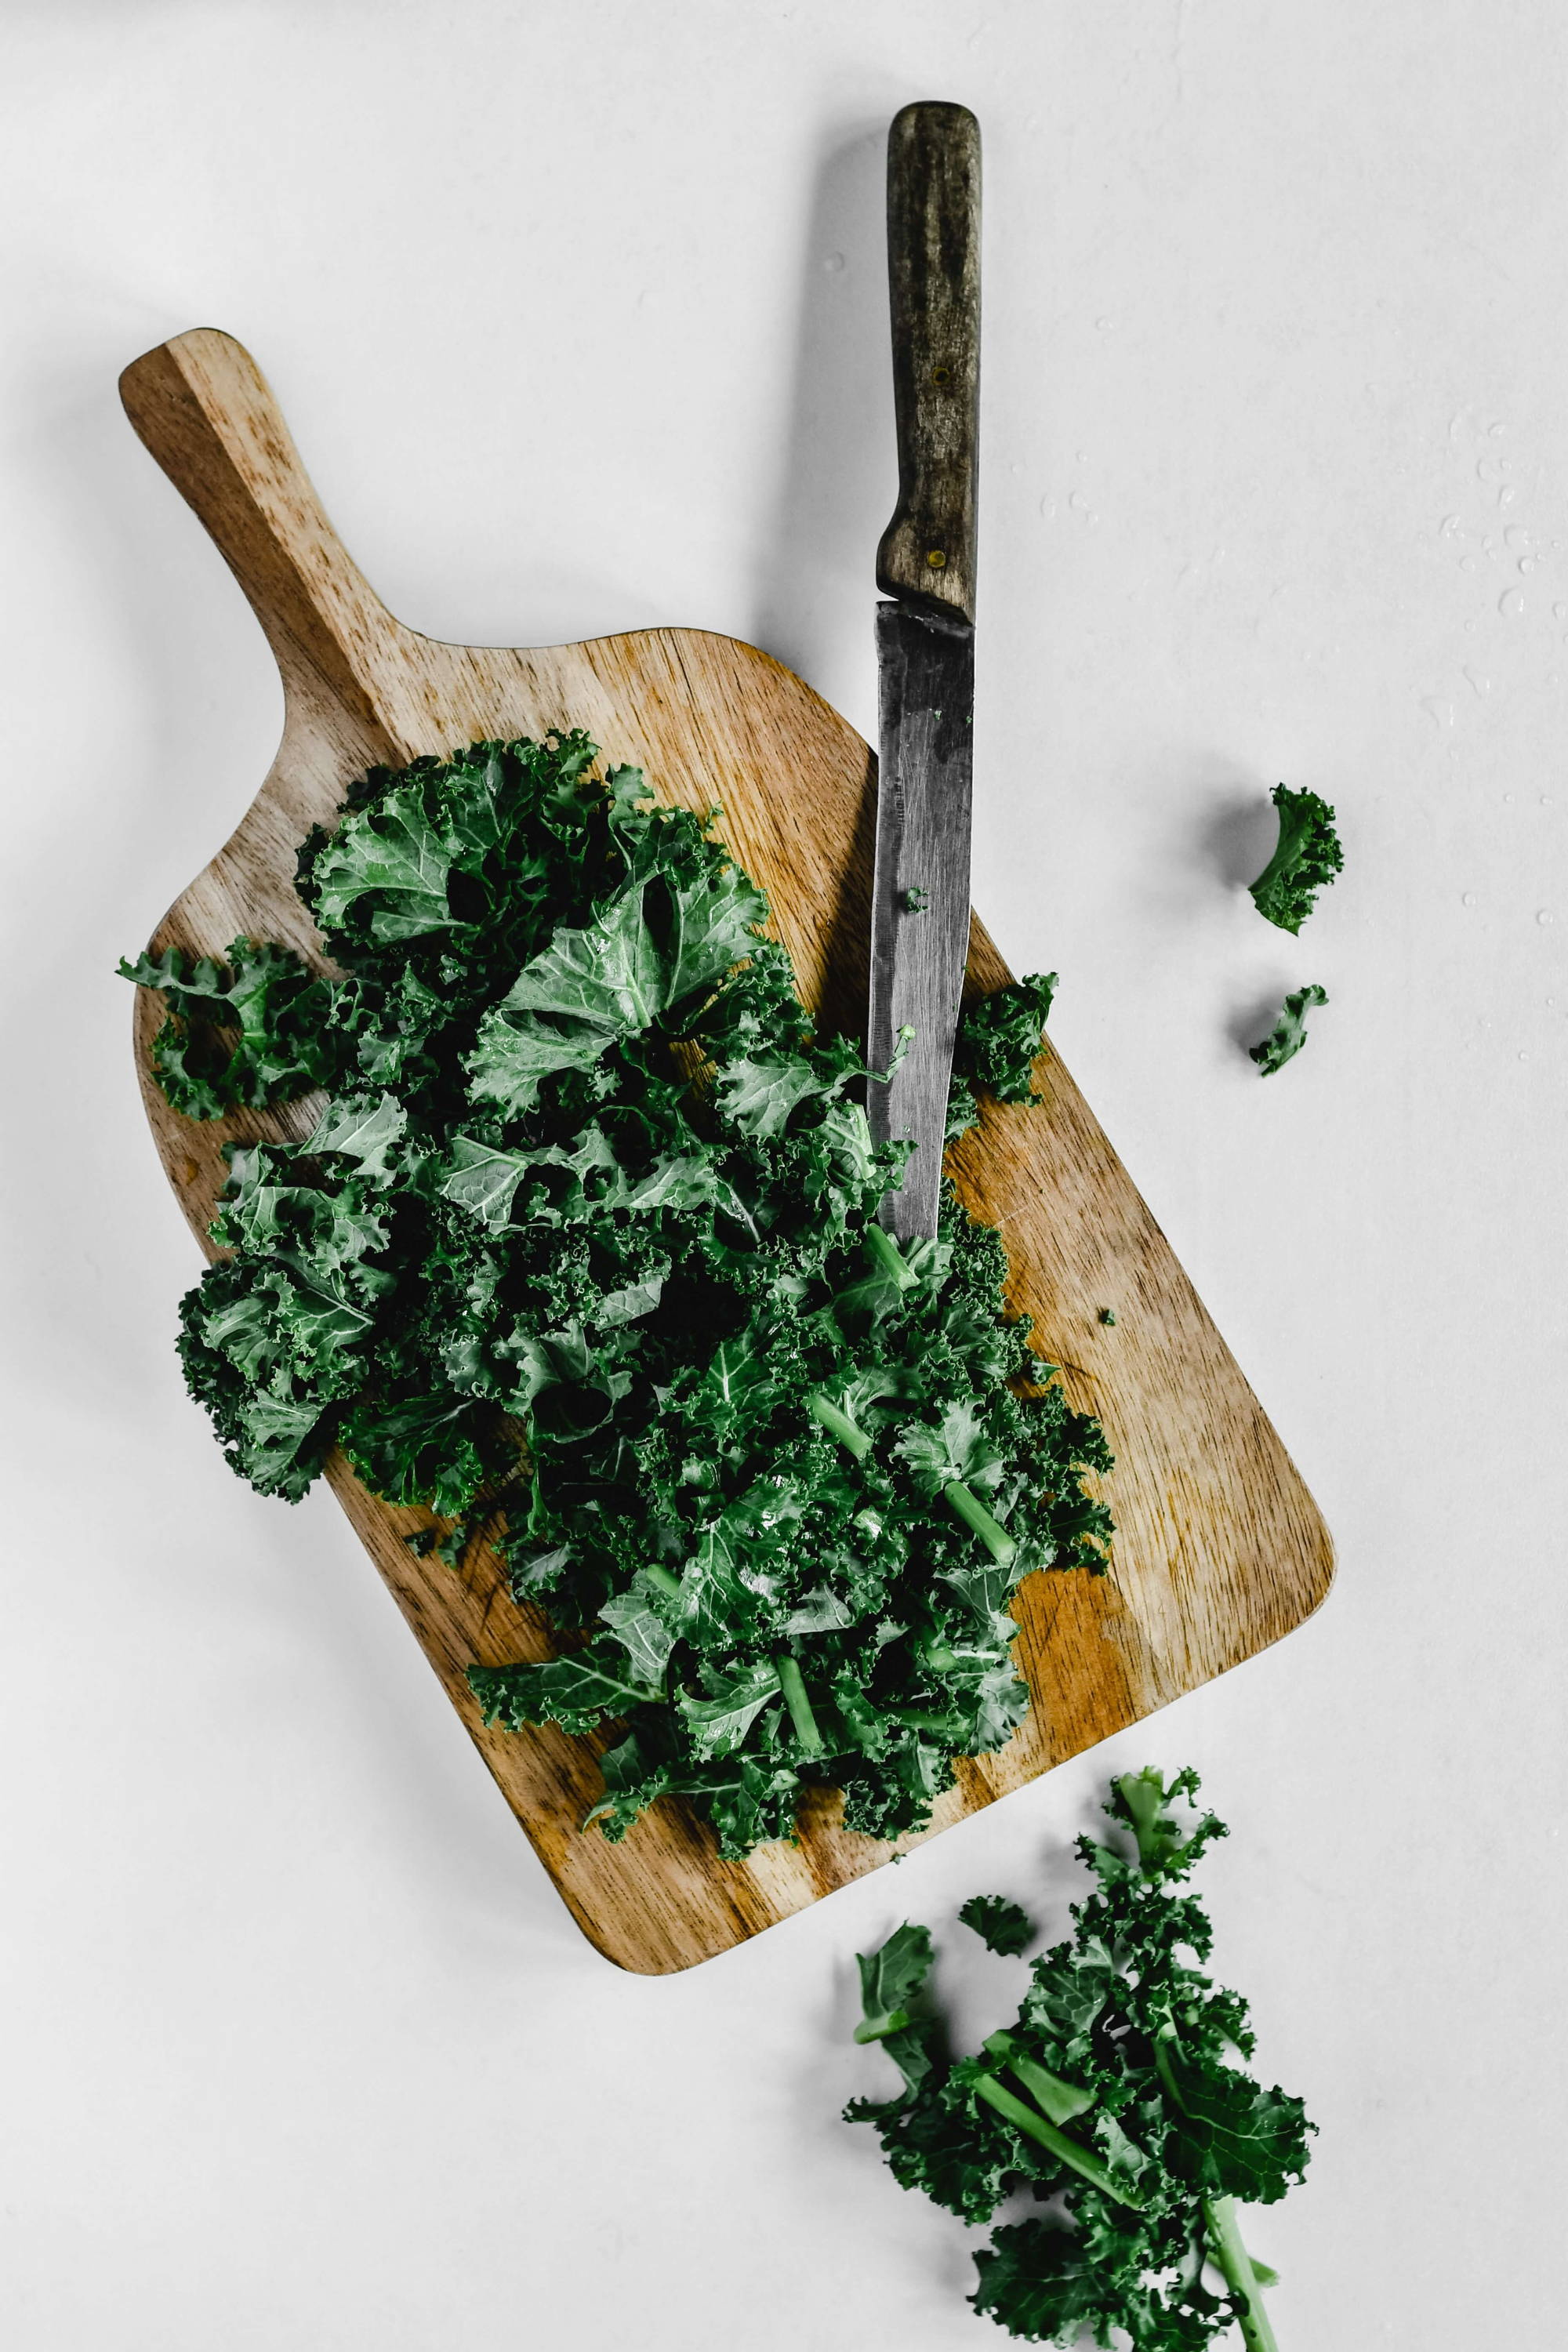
(1467, 563)
(1496, 431)
(833, 262)
(1440, 713)
(1511, 602)
(1527, 564)
(1560, 612)
(1481, 685)
(1014, 467)
(1524, 1058)
(1545, 917)
(1077, 502)
(1468, 899)
(1105, 326)
(1449, 526)
(1505, 496)
(1516, 535)
(1508, 796)
(1546, 800)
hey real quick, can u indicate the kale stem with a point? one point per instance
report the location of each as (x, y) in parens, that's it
(664, 1579)
(1231, 2254)
(1061, 2101)
(891, 1258)
(975, 1517)
(1067, 2151)
(1163, 2069)
(837, 1423)
(799, 1706)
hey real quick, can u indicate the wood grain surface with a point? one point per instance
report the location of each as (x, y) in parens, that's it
(1220, 1550)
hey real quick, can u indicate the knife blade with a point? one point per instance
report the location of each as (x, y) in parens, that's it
(925, 647)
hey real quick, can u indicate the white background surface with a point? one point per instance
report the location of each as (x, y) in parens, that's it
(577, 312)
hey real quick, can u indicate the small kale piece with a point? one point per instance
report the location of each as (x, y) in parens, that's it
(1003, 1926)
(1113, 2099)
(1000, 1038)
(1289, 1033)
(246, 1031)
(582, 1256)
(891, 1977)
(1306, 858)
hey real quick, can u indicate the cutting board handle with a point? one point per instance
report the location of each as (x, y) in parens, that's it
(206, 413)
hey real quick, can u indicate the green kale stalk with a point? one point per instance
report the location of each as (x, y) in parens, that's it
(582, 1254)
(1112, 2098)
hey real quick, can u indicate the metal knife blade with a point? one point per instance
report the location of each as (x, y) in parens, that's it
(919, 903)
(925, 646)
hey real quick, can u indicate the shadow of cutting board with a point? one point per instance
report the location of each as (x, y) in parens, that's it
(1220, 1550)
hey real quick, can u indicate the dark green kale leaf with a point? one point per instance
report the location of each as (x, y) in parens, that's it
(576, 1691)
(891, 1977)
(1114, 2099)
(1003, 1926)
(1289, 1033)
(581, 1255)
(999, 1041)
(1306, 858)
(249, 1031)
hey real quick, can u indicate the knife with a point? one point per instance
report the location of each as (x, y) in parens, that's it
(925, 647)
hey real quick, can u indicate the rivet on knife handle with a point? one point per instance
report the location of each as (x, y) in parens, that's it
(927, 558)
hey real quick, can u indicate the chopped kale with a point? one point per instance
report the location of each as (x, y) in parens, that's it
(1113, 2099)
(1289, 1033)
(1002, 1926)
(999, 1041)
(246, 1032)
(1306, 859)
(582, 1254)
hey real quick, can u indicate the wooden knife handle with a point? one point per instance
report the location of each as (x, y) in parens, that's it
(926, 559)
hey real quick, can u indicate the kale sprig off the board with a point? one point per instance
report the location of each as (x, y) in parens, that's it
(582, 1254)
(1112, 2098)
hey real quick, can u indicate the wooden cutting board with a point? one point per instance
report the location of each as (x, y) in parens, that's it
(1220, 1550)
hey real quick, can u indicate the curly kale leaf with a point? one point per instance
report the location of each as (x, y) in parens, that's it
(1113, 2098)
(1289, 1033)
(1002, 1927)
(1041, 2283)
(578, 1691)
(1306, 858)
(246, 1032)
(999, 1041)
(645, 953)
